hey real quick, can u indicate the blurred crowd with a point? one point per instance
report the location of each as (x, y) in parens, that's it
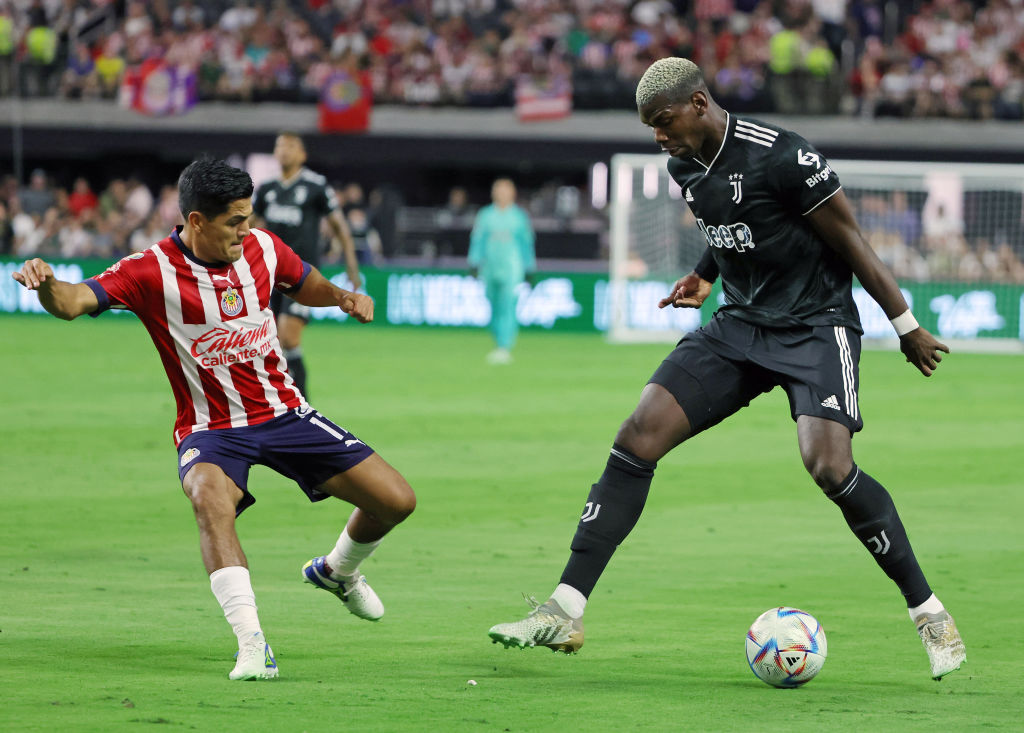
(41, 219)
(948, 58)
(926, 240)
(919, 239)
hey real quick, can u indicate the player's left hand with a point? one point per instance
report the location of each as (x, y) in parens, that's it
(357, 305)
(922, 350)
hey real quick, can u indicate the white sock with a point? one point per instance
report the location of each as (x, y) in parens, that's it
(347, 554)
(233, 590)
(932, 605)
(571, 600)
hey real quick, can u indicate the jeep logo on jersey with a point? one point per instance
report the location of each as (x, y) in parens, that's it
(734, 236)
(284, 214)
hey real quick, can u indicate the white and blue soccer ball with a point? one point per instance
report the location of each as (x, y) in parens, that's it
(786, 647)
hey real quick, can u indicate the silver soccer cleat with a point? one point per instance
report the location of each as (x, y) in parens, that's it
(547, 625)
(942, 642)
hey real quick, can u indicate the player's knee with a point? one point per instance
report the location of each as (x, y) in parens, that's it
(211, 495)
(826, 472)
(401, 504)
(641, 438)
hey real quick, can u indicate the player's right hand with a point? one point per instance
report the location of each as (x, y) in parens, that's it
(690, 291)
(357, 305)
(34, 273)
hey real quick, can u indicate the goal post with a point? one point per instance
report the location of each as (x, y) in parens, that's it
(953, 234)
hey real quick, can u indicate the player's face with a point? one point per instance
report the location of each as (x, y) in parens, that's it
(220, 238)
(677, 126)
(289, 152)
(503, 192)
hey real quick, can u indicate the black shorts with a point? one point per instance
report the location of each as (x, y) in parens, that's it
(717, 369)
(281, 303)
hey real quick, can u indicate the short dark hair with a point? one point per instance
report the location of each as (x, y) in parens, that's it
(209, 185)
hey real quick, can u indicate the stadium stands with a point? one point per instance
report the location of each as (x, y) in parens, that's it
(945, 58)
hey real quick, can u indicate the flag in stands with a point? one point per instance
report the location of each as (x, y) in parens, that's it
(547, 98)
(346, 100)
(156, 88)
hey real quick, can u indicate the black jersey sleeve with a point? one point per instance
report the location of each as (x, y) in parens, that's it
(259, 201)
(706, 267)
(327, 200)
(804, 177)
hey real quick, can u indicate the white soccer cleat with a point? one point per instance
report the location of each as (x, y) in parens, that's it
(354, 592)
(255, 660)
(499, 356)
(547, 625)
(942, 641)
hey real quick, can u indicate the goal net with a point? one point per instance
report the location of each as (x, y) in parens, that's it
(947, 231)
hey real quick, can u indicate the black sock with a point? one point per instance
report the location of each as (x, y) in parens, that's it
(868, 509)
(613, 508)
(297, 368)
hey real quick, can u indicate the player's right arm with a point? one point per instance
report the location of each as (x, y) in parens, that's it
(62, 299)
(690, 291)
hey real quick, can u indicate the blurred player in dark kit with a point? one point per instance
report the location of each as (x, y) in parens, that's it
(292, 207)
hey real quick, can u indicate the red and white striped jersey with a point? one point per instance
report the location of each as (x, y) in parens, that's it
(213, 327)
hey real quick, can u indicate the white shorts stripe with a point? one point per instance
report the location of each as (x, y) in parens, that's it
(846, 360)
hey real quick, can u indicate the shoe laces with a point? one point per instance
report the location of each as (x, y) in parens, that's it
(352, 585)
(254, 647)
(544, 615)
(933, 630)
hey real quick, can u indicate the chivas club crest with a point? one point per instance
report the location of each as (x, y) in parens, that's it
(231, 302)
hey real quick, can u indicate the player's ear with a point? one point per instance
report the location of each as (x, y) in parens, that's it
(196, 220)
(699, 100)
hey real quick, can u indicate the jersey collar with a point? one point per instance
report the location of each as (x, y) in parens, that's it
(294, 180)
(176, 238)
(728, 131)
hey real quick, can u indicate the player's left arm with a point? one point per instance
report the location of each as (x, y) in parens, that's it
(341, 233)
(835, 223)
(317, 291)
(528, 247)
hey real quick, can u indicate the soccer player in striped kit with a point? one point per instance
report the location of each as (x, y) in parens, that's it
(203, 294)
(782, 234)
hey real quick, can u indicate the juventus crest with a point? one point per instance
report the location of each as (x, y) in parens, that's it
(736, 181)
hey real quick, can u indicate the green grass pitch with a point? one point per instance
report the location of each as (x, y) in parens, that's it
(107, 621)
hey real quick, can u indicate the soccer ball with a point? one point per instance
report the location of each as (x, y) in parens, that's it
(786, 647)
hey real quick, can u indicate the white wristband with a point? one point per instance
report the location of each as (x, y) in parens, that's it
(904, 323)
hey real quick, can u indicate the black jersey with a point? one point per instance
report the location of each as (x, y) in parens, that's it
(293, 211)
(750, 204)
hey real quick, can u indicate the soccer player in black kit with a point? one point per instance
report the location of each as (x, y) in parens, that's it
(292, 207)
(782, 235)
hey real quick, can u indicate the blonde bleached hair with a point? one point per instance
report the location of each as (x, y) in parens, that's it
(673, 78)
